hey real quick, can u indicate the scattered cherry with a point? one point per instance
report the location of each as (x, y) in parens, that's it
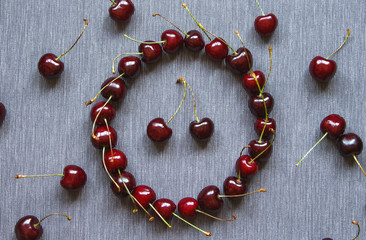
(106, 111)
(234, 186)
(246, 167)
(121, 10)
(101, 137)
(123, 177)
(268, 126)
(217, 49)
(114, 160)
(260, 150)
(209, 200)
(187, 207)
(202, 130)
(2, 113)
(150, 52)
(173, 41)
(239, 62)
(114, 87)
(250, 85)
(165, 207)
(256, 106)
(195, 41)
(144, 195)
(349, 144)
(265, 25)
(130, 66)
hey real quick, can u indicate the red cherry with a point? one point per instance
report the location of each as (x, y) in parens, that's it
(262, 148)
(256, 106)
(150, 52)
(158, 131)
(117, 89)
(334, 125)
(115, 161)
(261, 123)
(107, 112)
(74, 178)
(165, 208)
(122, 11)
(49, 66)
(322, 69)
(203, 130)
(2, 113)
(187, 207)
(25, 228)
(349, 144)
(209, 200)
(266, 25)
(250, 84)
(195, 41)
(144, 195)
(238, 63)
(130, 66)
(234, 186)
(246, 166)
(217, 50)
(126, 178)
(101, 138)
(173, 41)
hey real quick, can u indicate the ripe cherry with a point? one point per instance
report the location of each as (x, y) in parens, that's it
(187, 207)
(114, 87)
(265, 25)
(202, 130)
(121, 10)
(239, 62)
(217, 49)
(246, 167)
(268, 126)
(323, 69)
(349, 144)
(50, 66)
(123, 177)
(130, 66)
(114, 160)
(101, 137)
(106, 111)
(250, 85)
(165, 207)
(260, 150)
(150, 52)
(234, 186)
(173, 41)
(209, 200)
(144, 195)
(2, 113)
(257, 107)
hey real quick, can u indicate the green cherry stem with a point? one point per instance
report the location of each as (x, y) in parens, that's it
(53, 214)
(217, 218)
(156, 211)
(95, 120)
(113, 69)
(359, 229)
(157, 42)
(151, 217)
(232, 49)
(325, 134)
(245, 50)
(135, 210)
(270, 66)
(345, 40)
(113, 2)
(181, 102)
(260, 8)
(198, 24)
(193, 98)
(358, 163)
(180, 30)
(30, 176)
(274, 138)
(244, 194)
(190, 224)
(109, 175)
(242, 150)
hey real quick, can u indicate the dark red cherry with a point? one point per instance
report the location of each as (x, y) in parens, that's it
(234, 186)
(102, 135)
(195, 41)
(257, 148)
(349, 144)
(203, 130)
(117, 89)
(266, 25)
(165, 208)
(74, 177)
(144, 195)
(107, 112)
(173, 41)
(238, 63)
(334, 125)
(25, 228)
(327, 239)
(246, 166)
(187, 207)
(150, 52)
(217, 50)
(2, 113)
(130, 66)
(122, 10)
(115, 161)
(322, 69)
(49, 66)
(126, 178)
(158, 131)
(250, 85)
(261, 123)
(256, 106)
(209, 200)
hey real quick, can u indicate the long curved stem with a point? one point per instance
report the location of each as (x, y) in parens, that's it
(325, 134)
(190, 224)
(359, 229)
(30, 176)
(242, 150)
(193, 98)
(105, 168)
(53, 214)
(216, 218)
(260, 8)
(180, 30)
(270, 66)
(245, 194)
(358, 163)
(157, 42)
(345, 40)
(181, 102)
(95, 120)
(185, 6)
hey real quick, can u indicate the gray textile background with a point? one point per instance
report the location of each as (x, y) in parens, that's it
(48, 126)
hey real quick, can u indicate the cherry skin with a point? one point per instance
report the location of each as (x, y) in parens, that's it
(122, 11)
(217, 50)
(238, 63)
(209, 200)
(195, 41)
(102, 135)
(187, 207)
(107, 112)
(334, 125)
(25, 229)
(130, 66)
(203, 130)
(266, 25)
(234, 186)
(322, 69)
(74, 178)
(246, 168)
(128, 179)
(256, 106)
(165, 208)
(173, 41)
(144, 195)
(150, 52)
(2, 113)
(117, 89)
(158, 131)
(261, 123)
(327, 239)
(249, 83)
(349, 144)
(257, 148)
(49, 66)
(118, 161)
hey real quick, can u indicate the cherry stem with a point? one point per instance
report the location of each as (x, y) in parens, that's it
(198, 24)
(274, 138)
(151, 217)
(325, 134)
(264, 104)
(245, 50)
(156, 42)
(85, 24)
(345, 40)
(109, 175)
(160, 216)
(260, 7)
(180, 30)
(95, 120)
(30, 176)
(242, 150)
(194, 100)
(135, 210)
(270, 66)
(181, 102)
(113, 69)
(53, 214)
(216, 218)
(101, 90)
(359, 229)
(358, 163)
(114, 3)
(190, 224)
(245, 194)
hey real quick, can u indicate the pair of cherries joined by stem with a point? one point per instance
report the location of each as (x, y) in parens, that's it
(358, 232)
(121, 11)
(50, 66)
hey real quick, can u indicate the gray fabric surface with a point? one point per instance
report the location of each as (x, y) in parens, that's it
(48, 126)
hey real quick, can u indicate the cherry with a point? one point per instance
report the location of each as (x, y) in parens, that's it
(150, 52)
(50, 66)
(260, 150)
(187, 207)
(268, 125)
(246, 167)
(234, 186)
(2, 113)
(158, 131)
(265, 25)
(349, 144)
(114, 160)
(217, 49)
(202, 130)
(250, 85)
(101, 137)
(165, 207)
(173, 41)
(239, 62)
(114, 87)
(209, 200)
(144, 195)
(195, 41)
(256, 106)
(123, 177)
(121, 10)
(29, 228)
(106, 111)
(130, 66)
(323, 69)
